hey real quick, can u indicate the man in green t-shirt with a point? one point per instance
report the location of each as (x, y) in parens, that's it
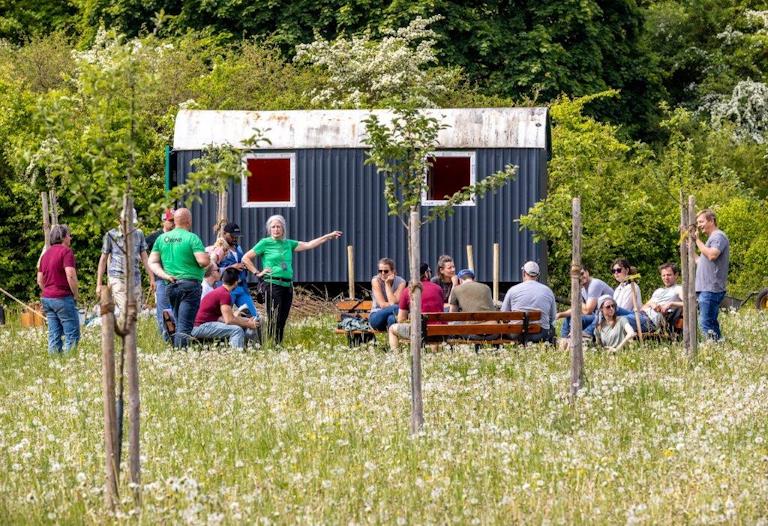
(180, 258)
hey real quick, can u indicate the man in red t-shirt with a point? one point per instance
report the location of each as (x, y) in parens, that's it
(57, 277)
(217, 305)
(431, 301)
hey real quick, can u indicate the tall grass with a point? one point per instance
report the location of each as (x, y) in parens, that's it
(317, 432)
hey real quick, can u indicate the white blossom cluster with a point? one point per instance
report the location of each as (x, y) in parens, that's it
(746, 108)
(317, 433)
(364, 72)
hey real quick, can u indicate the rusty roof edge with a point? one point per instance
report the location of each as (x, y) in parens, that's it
(298, 129)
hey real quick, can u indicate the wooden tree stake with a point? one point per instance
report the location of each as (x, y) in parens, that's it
(470, 258)
(46, 220)
(691, 313)
(107, 310)
(684, 274)
(351, 270)
(417, 405)
(577, 354)
(496, 265)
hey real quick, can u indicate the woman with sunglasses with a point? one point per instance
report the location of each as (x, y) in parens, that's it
(626, 289)
(612, 331)
(386, 287)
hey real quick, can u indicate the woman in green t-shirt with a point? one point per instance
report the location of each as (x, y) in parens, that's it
(276, 253)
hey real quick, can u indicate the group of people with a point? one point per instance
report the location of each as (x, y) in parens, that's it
(177, 265)
(179, 268)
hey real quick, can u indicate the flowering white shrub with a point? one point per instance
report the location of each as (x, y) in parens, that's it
(364, 72)
(747, 108)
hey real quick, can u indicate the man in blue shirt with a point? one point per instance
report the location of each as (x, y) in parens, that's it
(711, 272)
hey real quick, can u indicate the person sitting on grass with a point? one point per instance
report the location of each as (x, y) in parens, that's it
(611, 332)
(216, 306)
(431, 301)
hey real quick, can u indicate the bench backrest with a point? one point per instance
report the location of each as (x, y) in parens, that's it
(515, 322)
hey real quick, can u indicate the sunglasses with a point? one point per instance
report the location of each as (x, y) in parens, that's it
(383, 271)
(616, 270)
(611, 306)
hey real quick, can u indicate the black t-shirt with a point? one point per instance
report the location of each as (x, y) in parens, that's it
(151, 238)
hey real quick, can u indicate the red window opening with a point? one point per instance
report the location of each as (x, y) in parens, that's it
(447, 176)
(270, 180)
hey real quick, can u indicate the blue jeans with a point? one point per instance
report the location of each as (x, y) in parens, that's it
(161, 303)
(216, 329)
(63, 321)
(241, 296)
(589, 330)
(587, 320)
(709, 306)
(184, 296)
(381, 319)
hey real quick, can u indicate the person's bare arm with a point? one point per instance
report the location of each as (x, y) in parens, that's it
(309, 245)
(402, 316)
(150, 274)
(72, 280)
(230, 319)
(381, 299)
(157, 267)
(100, 270)
(203, 259)
(589, 306)
(249, 259)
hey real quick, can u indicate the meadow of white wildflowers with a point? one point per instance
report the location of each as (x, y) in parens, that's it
(318, 433)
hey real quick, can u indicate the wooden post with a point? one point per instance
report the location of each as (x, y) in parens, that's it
(351, 271)
(221, 212)
(691, 313)
(46, 220)
(684, 273)
(107, 310)
(496, 265)
(470, 258)
(414, 240)
(577, 354)
(636, 309)
(54, 207)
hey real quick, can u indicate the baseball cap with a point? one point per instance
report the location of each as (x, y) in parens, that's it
(424, 269)
(167, 215)
(466, 273)
(531, 268)
(232, 228)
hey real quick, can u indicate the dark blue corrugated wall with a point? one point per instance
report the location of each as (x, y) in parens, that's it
(335, 191)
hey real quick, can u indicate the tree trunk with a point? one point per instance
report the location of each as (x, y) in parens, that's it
(693, 335)
(107, 309)
(46, 220)
(577, 355)
(54, 206)
(684, 274)
(221, 212)
(414, 252)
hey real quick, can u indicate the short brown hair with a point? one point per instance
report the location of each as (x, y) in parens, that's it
(388, 262)
(671, 265)
(708, 214)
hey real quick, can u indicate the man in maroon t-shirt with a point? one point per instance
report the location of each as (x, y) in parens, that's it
(431, 301)
(216, 305)
(57, 277)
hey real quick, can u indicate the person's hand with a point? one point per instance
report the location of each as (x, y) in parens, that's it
(98, 291)
(610, 349)
(390, 279)
(263, 272)
(336, 234)
(254, 323)
(238, 266)
(152, 286)
(171, 279)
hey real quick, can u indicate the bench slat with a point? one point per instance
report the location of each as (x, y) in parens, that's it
(499, 328)
(533, 315)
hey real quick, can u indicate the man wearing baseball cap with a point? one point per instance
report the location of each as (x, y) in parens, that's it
(232, 257)
(470, 295)
(532, 295)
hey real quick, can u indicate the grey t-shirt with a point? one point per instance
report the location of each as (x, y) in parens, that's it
(472, 297)
(375, 279)
(612, 336)
(532, 295)
(711, 276)
(595, 289)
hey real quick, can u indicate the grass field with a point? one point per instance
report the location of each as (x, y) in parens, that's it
(318, 433)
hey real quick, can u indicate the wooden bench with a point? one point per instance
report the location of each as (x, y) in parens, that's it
(480, 328)
(359, 309)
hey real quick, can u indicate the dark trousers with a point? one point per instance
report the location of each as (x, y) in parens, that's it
(277, 301)
(184, 297)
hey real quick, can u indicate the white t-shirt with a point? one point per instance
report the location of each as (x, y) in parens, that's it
(663, 295)
(622, 295)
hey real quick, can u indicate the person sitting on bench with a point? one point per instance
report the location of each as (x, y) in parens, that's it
(217, 305)
(665, 300)
(470, 295)
(431, 301)
(532, 295)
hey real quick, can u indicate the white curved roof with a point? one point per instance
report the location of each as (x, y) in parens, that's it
(468, 128)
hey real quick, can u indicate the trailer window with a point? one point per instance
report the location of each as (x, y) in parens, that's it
(449, 173)
(272, 180)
